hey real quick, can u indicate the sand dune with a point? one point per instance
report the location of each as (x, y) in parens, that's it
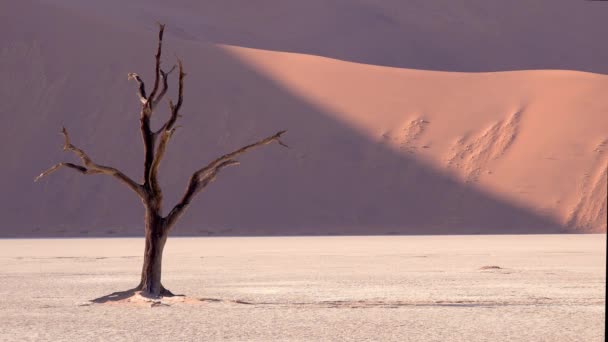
(515, 134)
(375, 149)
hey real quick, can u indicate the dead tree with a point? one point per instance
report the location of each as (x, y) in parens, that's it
(157, 226)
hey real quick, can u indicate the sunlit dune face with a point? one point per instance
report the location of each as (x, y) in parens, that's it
(520, 135)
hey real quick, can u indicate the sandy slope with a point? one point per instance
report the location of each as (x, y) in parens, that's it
(538, 138)
(375, 150)
(549, 288)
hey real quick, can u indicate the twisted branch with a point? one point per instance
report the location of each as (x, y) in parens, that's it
(157, 71)
(162, 93)
(141, 90)
(149, 103)
(203, 177)
(167, 130)
(89, 166)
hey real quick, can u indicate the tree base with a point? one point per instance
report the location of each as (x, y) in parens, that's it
(137, 297)
(163, 293)
(147, 294)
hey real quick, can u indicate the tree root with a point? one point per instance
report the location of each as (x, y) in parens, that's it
(164, 292)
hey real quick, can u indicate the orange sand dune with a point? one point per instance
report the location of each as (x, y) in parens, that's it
(374, 150)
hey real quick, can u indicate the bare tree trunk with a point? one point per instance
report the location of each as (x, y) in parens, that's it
(157, 227)
(155, 239)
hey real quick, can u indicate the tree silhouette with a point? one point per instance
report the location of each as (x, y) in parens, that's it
(157, 226)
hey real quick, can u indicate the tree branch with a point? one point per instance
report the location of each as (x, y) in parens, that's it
(157, 71)
(54, 168)
(167, 130)
(165, 76)
(203, 177)
(174, 108)
(89, 166)
(141, 91)
(147, 135)
(232, 155)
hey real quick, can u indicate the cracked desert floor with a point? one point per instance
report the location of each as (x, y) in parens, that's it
(415, 288)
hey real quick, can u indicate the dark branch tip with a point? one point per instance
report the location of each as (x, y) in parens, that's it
(66, 137)
(161, 30)
(180, 65)
(167, 73)
(277, 136)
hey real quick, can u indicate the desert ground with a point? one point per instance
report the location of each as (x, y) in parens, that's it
(416, 288)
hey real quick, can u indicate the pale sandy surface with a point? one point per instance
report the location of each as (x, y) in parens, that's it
(549, 288)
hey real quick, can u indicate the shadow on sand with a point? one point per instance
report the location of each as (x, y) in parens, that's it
(133, 295)
(114, 297)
